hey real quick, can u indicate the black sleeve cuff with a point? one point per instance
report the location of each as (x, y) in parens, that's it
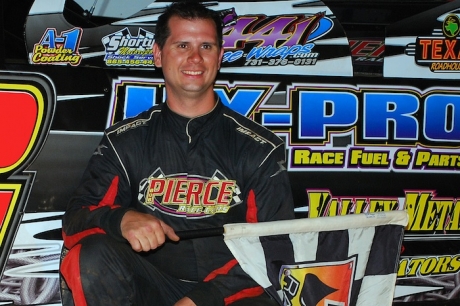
(114, 221)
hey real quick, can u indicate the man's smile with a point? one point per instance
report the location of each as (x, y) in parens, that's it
(189, 72)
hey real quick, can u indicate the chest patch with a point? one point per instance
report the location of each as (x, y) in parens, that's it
(189, 196)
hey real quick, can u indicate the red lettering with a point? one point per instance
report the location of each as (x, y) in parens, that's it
(425, 43)
(352, 43)
(156, 188)
(180, 192)
(194, 191)
(450, 44)
(169, 190)
(225, 193)
(368, 48)
(207, 196)
(436, 52)
(379, 50)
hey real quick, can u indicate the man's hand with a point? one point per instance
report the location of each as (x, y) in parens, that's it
(145, 232)
(185, 302)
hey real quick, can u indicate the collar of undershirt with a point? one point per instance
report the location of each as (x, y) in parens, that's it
(195, 125)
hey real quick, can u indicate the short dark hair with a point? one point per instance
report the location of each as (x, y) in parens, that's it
(186, 10)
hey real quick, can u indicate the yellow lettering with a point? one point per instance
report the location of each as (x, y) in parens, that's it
(422, 157)
(415, 205)
(414, 266)
(402, 268)
(318, 202)
(442, 265)
(308, 157)
(428, 265)
(362, 158)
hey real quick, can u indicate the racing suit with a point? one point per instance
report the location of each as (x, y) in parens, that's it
(195, 173)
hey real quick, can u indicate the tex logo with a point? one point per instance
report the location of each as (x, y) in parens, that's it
(451, 26)
(58, 49)
(124, 49)
(27, 104)
(317, 284)
(441, 51)
(188, 196)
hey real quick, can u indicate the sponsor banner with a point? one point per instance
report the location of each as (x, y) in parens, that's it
(58, 48)
(429, 266)
(125, 49)
(302, 38)
(425, 46)
(332, 126)
(367, 51)
(428, 271)
(429, 214)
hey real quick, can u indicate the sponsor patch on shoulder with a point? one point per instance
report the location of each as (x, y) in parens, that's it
(251, 134)
(131, 125)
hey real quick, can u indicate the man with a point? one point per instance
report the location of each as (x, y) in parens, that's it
(189, 163)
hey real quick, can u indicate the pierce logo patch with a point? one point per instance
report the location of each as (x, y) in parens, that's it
(189, 196)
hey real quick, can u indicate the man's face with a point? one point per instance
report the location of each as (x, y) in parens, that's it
(190, 57)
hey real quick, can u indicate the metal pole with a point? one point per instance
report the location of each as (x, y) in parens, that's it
(200, 233)
(89, 13)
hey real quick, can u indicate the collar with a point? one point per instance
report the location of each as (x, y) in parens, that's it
(195, 125)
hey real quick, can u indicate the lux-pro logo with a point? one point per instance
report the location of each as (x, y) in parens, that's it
(134, 95)
(27, 104)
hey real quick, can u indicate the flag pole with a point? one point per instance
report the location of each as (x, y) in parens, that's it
(200, 233)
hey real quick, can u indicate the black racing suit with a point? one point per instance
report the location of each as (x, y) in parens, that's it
(196, 173)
